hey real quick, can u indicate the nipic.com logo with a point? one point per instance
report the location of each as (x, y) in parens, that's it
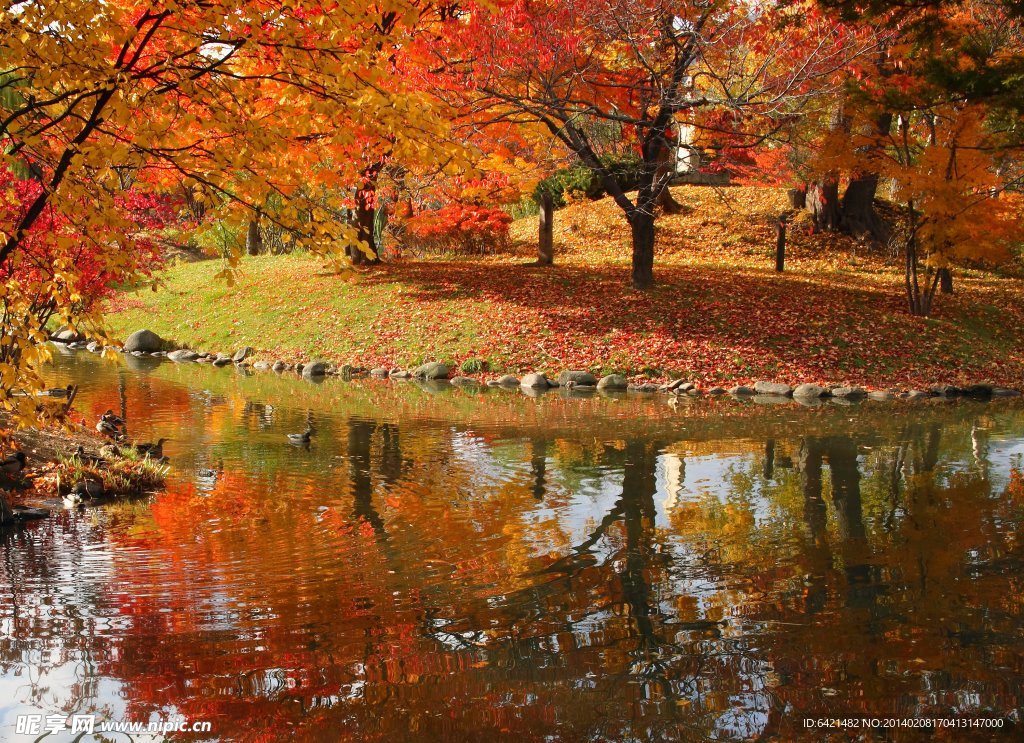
(88, 724)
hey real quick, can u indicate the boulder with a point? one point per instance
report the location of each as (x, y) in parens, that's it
(400, 374)
(741, 391)
(915, 395)
(314, 369)
(577, 378)
(464, 382)
(645, 387)
(981, 390)
(279, 366)
(222, 360)
(809, 391)
(881, 395)
(848, 393)
(1005, 392)
(182, 354)
(716, 391)
(379, 373)
(506, 380)
(772, 388)
(345, 371)
(66, 335)
(262, 365)
(242, 354)
(94, 347)
(143, 340)
(431, 370)
(612, 382)
(535, 381)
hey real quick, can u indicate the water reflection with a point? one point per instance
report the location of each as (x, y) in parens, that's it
(466, 564)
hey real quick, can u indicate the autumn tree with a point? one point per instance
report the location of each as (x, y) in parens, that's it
(586, 67)
(238, 101)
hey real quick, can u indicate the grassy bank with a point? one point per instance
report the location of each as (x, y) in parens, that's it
(719, 313)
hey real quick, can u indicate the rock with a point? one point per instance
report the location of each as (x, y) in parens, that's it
(314, 369)
(946, 390)
(915, 395)
(431, 370)
(879, 395)
(577, 378)
(674, 384)
(379, 373)
(242, 354)
(345, 371)
(716, 391)
(279, 366)
(741, 391)
(94, 347)
(1005, 392)
(848, 393)
(159, 354)
(222, 360)
(645, 387)
(138, 353)
(694, 392)
(182, 354)
(262, 365)
(400, 374)
(809, 391)
(982, 390)
(464, 382)
(535, 381)
(77, 345)
(143, 340)
(506, 380)
(612, 382)
(66, 335)
(772, 388)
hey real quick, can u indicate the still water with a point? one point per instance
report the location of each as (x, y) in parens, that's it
(455, 565)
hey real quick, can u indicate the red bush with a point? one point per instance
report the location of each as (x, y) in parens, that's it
(460, 228)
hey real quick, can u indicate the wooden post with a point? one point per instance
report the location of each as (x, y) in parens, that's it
(545, 241)
(780, 244)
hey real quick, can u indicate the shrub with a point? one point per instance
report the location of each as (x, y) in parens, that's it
(460, 228)
(579, 180)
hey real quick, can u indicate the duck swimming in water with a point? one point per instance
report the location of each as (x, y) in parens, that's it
(301, 438)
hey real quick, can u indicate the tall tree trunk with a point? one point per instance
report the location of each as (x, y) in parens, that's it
(545, 241)
(945, 280)
(253, 238)
(857, 210)
(823, 205)
(364, 219)
(641, 223)
(666, 164)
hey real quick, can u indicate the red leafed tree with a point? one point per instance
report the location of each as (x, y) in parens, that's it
(598, 72)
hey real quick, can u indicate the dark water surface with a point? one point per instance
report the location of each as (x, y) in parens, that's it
(483, 566)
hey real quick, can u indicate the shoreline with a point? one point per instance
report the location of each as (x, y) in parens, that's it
(580, 380)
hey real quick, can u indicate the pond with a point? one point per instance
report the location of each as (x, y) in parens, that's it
(443, 564)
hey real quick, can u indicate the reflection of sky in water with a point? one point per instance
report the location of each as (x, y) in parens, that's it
(469, 475)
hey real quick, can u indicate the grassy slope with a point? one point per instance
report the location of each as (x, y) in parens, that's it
(718, 313)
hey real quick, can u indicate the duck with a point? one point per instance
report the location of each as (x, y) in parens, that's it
(153, 451)
(301, 438)
(83, 456)
(14, 464)
(109, 425)
(111, 418)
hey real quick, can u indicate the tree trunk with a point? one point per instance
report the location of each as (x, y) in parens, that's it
(364, 219)
(823, 205)
(666, 163)
(254, 238)
(780, 244)
(945, 281)
(857, 211)
(545, 242)
(641, 224)
(797, 197)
